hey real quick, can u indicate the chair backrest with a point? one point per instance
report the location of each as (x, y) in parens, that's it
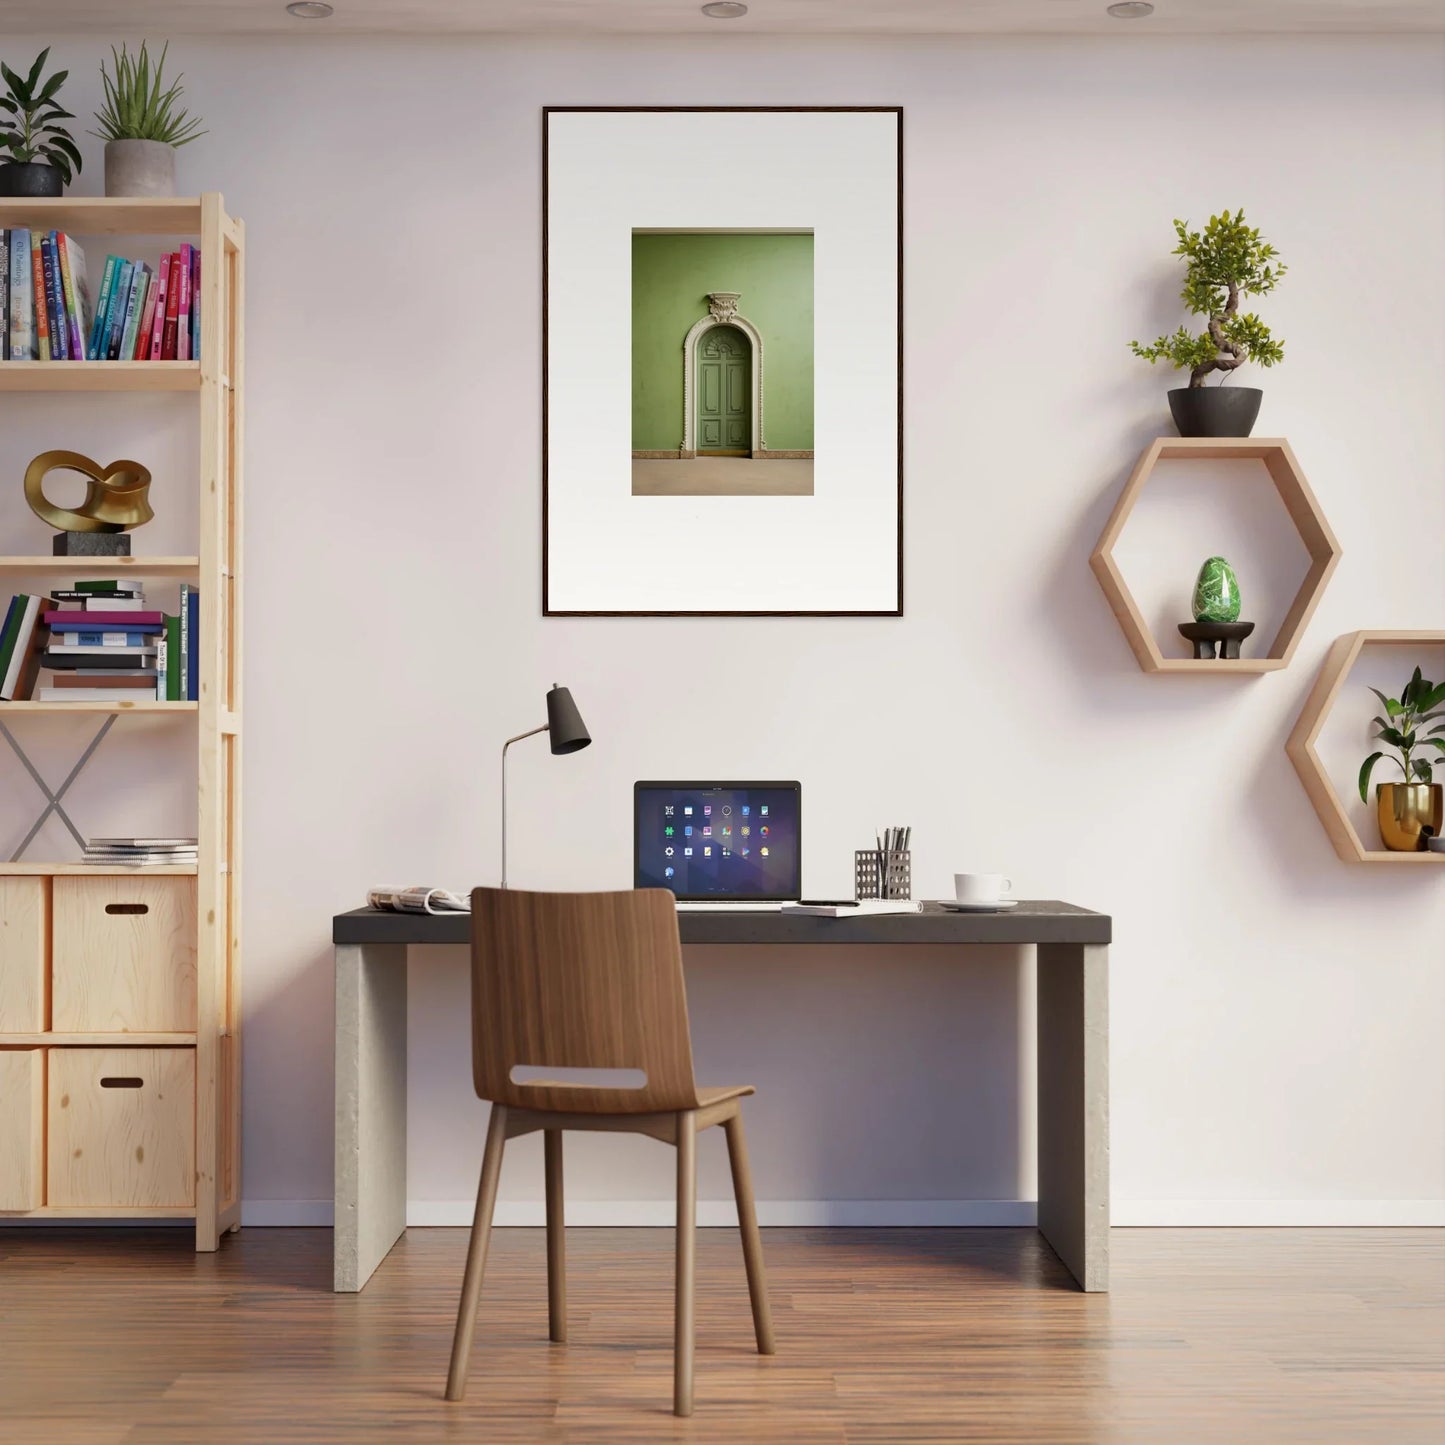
(579, 981)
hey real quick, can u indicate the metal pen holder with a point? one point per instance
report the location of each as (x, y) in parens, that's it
(881, 874)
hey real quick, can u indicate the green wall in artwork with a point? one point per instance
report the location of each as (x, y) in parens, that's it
(671, 276)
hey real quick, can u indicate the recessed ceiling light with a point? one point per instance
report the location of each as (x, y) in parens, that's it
(725, 10)
(1131, 9)
(309, 9)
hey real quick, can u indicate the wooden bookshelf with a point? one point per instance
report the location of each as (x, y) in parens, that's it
(209, 891)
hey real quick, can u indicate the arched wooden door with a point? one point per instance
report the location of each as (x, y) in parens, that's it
(724, 392)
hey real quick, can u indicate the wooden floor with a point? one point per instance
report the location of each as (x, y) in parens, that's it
(1221, 1337)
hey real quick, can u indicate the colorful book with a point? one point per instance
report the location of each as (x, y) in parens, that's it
(4, 295)
(7, 632)
(192, 647)
(158, 324)
(195, 303)
(22, 306)
(37, 291)
(77, 293)
(95, 349)
(80, 641)
(24, 664)
(173, 301)
(64, 595)
(142, 346)
(173, 672)
(183, 307)
(131, 678)
(133, 307)
(54, 299)
(66, 659)
(119, 300)
(114, 621)
(107, 584)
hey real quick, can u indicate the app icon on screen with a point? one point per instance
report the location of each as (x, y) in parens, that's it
(707, 810)
(687, 852)
(727, 808)
(706, 832)
(763, 831)
(763, 810)
(687, 810)
(726, 853)
(744, 852)
(707, 852)
(687, 830)
(667, 810)
(727, 832)
(746, 830)
(668, 830)
(668, 850)
(668, 872)
(763, 851)
(746, 810)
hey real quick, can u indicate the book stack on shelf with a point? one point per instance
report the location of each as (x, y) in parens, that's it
(140, 852)
(104, 645)
(141, 313)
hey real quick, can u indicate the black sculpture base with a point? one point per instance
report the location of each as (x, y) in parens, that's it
(91, 544)
(1205, 635)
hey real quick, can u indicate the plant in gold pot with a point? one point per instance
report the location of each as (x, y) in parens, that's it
(1412, 811)
(141, 125)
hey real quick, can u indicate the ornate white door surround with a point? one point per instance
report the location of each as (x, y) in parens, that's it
(722, 311)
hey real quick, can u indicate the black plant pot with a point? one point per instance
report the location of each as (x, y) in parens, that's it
(30, 178)
(1215, 411)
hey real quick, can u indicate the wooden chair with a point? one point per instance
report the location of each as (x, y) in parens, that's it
(593, 981)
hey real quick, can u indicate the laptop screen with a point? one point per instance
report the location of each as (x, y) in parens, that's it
(720, 841)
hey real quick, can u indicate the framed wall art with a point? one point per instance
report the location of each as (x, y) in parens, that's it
(722, 361)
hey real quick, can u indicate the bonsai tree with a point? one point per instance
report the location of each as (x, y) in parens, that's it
(1224, 262)
(28, 115)
(1420, 702)
(136, 108)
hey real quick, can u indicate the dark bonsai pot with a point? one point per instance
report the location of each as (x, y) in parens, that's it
(30, 178)
(1215, 411)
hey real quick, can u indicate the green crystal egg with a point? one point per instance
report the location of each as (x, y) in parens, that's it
(1216, 592)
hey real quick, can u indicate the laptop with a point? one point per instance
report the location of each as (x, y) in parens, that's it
(719, 845)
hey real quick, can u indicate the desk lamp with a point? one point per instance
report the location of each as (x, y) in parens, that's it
(567, 734)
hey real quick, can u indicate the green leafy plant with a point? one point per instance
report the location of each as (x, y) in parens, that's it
(136, 108)
(28, 115)
(1224, 262)
(1421, 701)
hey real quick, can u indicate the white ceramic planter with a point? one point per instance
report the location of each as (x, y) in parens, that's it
(140, 168)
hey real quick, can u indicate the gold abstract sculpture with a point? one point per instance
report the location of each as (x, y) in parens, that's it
(115, 496)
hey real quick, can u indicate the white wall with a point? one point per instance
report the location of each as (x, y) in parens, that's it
(1275, 1014)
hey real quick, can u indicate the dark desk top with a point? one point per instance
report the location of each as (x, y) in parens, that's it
(1036, 921)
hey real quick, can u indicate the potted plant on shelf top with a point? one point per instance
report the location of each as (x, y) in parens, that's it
(39, 155)
(1224, 263)
(1409, 812)
(141, 125)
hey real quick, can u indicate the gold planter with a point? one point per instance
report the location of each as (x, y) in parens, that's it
(1406, 810)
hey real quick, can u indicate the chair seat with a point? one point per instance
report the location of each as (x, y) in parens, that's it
(720, 1094)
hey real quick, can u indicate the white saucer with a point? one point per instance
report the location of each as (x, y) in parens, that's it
(949, 906)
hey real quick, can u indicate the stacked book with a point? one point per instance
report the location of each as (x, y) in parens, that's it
(140, 852)
(140, 313)
(103, 645)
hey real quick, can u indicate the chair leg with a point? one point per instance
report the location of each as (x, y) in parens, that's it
(686, 1263)
(556, 1239)
(477, 1253)
(752, 1240)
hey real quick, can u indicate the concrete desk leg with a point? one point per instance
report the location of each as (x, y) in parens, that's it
(1073, 993)
(370, 1108)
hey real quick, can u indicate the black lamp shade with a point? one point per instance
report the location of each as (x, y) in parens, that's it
(565, 729)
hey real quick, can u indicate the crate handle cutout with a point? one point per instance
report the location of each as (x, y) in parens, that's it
(122, 1082)
(578, 1078)
(127, 908)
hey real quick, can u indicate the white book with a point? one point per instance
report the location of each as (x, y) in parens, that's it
(93, 694)
(867, 908)
(97, 650)
(114, 604)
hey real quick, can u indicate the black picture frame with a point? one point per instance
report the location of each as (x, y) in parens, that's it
(547, 113)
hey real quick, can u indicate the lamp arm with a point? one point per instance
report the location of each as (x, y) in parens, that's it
(529, 734)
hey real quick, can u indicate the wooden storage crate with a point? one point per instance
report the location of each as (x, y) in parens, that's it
(24, 947)
(22, 1129)
(124, 955)
(121, 1127)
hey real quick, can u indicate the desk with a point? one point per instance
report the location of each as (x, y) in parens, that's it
(1073, 1056)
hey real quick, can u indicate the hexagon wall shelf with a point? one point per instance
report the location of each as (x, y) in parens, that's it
(1301, 745)
(1304, 512)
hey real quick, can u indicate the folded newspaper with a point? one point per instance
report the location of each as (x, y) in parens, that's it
(418, 900)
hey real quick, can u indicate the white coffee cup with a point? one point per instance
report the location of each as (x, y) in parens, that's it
(981, 887)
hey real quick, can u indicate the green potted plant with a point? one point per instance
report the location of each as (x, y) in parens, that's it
(1409, 812)
(1224, 263)
(141, 125)
(37, 156)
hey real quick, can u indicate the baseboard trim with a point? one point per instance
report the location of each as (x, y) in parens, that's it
(882, 1213)
(1278, 1213)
